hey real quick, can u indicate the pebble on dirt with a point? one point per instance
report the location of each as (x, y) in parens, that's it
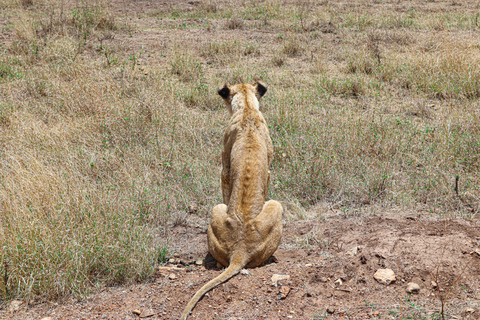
(353, 252)
(284, 291)
(137, 312)
(278, 277)
(385, 276)
(167, 270)
(331, 310)
(147, 313)
(172, 276)
(412, 287)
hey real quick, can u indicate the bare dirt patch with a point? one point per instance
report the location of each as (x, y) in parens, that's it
(315, 254)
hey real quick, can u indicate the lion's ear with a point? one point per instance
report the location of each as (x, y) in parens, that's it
(261, 89)
(224, 92)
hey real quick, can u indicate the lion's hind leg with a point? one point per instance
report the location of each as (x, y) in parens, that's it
(268, 228)
(216, 235)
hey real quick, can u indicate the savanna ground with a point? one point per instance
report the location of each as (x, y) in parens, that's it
(110, 141)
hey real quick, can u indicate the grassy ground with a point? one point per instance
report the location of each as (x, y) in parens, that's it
(110, 125)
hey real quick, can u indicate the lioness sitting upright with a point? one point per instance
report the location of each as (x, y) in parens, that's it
(246, 230)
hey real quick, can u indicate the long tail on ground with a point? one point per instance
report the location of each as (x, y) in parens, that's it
(235, 266)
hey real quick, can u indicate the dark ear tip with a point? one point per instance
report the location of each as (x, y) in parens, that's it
(224, 92)
(261, 88)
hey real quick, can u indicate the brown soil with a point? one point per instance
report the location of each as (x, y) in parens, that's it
(314, 253)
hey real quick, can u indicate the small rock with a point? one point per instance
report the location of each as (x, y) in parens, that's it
(199, 262)
(376, 314)
(353, 252)
(385, 276)
(172, 276)
(167, 270)
(331, 310)
(434, 284)
(137, 312)
(412, 287)
(338, 282)
(323, 279)
(15, 305)
(469, 310)
(147, 313)
(244, 271)
(284, 291)
(171, 260)
(47, 318)
(308, 265)
(279, 277)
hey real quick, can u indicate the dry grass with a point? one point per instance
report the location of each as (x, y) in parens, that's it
(108, 134)
(235, 23)
(292, 47)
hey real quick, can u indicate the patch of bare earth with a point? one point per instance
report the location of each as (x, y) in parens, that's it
(315, 254)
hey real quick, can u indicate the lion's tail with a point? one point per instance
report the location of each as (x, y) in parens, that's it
(237, 263)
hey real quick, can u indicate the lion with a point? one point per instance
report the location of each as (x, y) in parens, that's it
(245, 230)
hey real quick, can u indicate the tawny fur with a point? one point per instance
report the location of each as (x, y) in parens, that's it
(244, 231)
